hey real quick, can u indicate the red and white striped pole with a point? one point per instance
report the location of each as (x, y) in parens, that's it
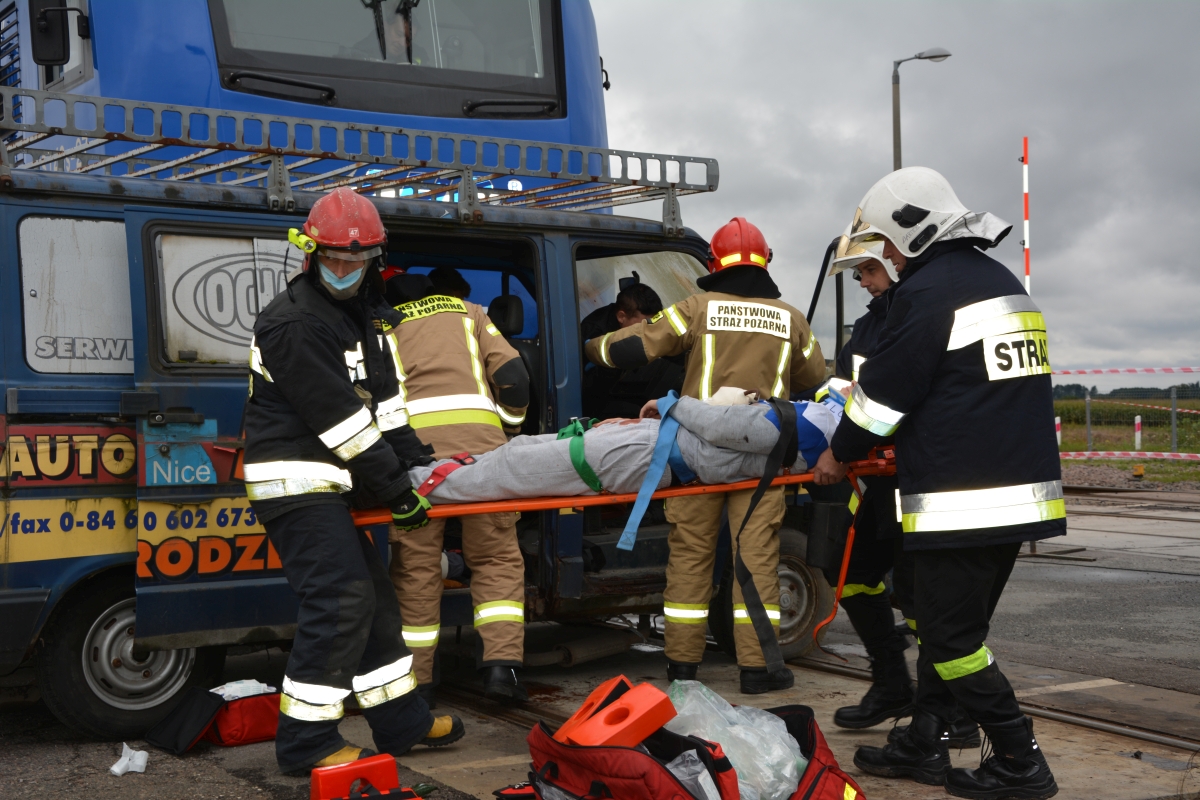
(1137, 432)
(1025, 177)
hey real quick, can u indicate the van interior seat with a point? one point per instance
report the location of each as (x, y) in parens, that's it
(507, 313)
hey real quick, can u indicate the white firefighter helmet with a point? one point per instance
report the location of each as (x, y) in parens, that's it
(851, 253)
(913, 207)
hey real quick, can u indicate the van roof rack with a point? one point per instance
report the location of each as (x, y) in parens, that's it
(285, 155)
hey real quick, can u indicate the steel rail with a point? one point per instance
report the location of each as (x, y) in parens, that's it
(1068, 717)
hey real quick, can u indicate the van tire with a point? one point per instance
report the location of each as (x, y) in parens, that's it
(115, 696)
(805, 599)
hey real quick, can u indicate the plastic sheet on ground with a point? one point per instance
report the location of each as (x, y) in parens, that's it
(766, 758)
(131, 761)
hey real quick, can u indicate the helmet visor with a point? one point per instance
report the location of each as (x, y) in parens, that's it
(853, 252)
(365, 254)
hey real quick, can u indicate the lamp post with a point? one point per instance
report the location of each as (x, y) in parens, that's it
(932, 54)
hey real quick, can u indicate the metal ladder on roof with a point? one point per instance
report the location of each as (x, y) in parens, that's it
(82, 134)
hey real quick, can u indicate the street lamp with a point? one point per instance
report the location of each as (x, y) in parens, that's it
(932, 54)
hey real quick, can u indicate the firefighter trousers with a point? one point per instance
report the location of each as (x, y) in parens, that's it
(695, 527)
(347, 640)
(491, 552)
(876, 551)
(956, 592)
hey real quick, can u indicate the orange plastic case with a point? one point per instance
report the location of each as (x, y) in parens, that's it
(627, 721)
(601, 697)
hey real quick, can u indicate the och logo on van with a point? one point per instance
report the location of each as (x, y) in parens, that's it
(220, 297)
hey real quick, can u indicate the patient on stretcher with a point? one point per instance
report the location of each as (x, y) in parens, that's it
(716, 443)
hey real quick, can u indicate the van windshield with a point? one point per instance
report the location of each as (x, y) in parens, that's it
(500, 37)
(429, 57)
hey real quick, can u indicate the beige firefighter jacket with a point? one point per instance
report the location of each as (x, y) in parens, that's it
(752, 343)
(462, 383)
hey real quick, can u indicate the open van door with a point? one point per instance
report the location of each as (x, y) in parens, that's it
(206, 573)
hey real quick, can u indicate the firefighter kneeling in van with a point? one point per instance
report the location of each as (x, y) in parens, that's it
(324, 410)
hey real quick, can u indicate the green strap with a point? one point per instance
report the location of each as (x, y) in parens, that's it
(575, 431)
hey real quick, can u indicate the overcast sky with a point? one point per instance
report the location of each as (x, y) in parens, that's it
(794, 100)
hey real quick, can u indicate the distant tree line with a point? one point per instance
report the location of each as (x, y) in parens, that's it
(1076, 391)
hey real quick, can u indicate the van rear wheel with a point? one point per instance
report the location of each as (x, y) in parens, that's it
(805, 598)
(94, 681)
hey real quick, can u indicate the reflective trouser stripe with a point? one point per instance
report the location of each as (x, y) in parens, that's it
(310, 701)
(676, 320)
(298, 709)
(811, 346)
(982, 508)
(499, 611)
(912, 623)
(421, 635)
(967, 665)
(853, 504)
(785, 354)
(741, 615)
(473, 347)
(386, 683)
(686, 613)
(871, 416)
(851, 589)
(710, 346)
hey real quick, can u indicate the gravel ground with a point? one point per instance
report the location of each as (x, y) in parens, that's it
(1120, 478)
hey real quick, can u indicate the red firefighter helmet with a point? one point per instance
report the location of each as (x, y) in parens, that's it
(344, 223)
(738, 243)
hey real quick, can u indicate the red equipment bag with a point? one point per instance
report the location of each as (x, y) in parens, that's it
(573, 772)
(823, 779)
(570, 772)
(245, 721)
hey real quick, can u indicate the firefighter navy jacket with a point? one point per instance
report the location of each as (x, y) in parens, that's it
(324, 402)
(961, 377)
(866, 333)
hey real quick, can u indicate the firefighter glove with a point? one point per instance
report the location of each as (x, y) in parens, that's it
(410, 511)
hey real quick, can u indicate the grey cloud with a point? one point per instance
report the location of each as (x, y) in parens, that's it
(794, 101)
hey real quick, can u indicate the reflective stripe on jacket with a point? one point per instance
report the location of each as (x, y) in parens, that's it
(753, 343)
(462, 384)
(960, 377)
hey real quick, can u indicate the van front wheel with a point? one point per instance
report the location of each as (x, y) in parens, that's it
(805, 598)
(93, 679)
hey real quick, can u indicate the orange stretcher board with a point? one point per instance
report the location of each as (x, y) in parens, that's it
(379, 516)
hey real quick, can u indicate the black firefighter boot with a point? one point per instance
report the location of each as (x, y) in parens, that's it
(890, 695)
(678, 671)
(1015, 769)
(963, 733)
(501, 684)
(920, 753)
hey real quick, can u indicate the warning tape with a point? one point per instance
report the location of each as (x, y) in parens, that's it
(1129, 371)
(1141, 405)
(1130, 454)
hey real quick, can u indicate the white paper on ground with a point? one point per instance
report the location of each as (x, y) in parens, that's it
(130, 761)
(235, 690)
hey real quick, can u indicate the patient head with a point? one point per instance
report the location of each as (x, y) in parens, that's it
(636, 303)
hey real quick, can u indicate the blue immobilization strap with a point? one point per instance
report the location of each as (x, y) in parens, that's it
(667, 429)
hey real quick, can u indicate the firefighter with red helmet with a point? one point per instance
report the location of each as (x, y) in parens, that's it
(324, 417)
(739, 334)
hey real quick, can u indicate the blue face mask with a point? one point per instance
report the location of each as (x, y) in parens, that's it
(340, 284)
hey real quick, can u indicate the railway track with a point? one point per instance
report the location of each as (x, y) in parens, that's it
(529, 714)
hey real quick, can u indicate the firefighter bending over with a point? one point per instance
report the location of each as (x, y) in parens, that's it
(323, 415)
(739, 334)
